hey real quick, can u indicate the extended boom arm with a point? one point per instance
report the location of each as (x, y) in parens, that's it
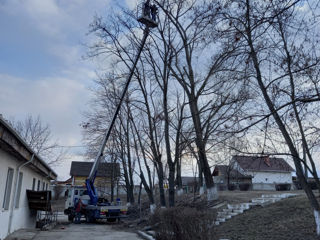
(90, 180)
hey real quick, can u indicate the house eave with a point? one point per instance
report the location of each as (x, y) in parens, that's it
(276, 171)
(11, 140)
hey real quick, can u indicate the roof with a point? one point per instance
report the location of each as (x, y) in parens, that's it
(82, 169)
(189, 180)
(263, 164)
(11, 141)
(222, 169)
(66, 182)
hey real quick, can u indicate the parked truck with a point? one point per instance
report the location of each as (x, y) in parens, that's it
(102, 210)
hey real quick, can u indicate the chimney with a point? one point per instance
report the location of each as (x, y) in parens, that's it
(267, 161)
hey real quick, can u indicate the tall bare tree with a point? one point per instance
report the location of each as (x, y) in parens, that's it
(39, 137)
(272, 40)
(211, 99)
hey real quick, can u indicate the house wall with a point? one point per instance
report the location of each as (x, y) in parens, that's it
(99, 181)
(22, 216)
(265, 180)
(102, 184)
(270, 177)
(268, 180)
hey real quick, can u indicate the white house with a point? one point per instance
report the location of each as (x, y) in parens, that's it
(21, 169)
(266, 171)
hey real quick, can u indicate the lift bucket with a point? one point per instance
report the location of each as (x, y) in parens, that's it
(147, 13)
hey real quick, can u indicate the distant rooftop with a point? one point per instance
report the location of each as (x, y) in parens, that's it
(222, 169)
(263, 163)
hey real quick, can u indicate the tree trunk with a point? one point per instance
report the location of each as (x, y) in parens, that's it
(312, 199)
(211, 194)
(171, 186)
(130, 177)
(161, 189)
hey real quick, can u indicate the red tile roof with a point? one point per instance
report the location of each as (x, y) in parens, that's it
(263, 163)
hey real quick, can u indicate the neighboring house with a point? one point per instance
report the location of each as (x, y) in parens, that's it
(106, 173)
(266, 171)
(59, 189)
(222, 174)
(21, 169)
(190, 184)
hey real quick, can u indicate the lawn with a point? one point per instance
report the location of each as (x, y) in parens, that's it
(288, 219)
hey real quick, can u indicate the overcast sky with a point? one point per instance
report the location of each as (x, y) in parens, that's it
(41, 67)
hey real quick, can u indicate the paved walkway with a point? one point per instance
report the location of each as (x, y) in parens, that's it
(76, 232)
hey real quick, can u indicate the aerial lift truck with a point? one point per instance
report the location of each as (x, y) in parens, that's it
(94, 209)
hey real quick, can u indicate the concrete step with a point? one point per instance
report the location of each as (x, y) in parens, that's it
(227, 210)
(223, 214)
(145, 235)
(238, 210)
(221, 219)
(151, 233)
(243, 206)
(234, 214)
(273, 196)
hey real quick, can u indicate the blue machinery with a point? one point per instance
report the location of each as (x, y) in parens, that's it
(147, 15)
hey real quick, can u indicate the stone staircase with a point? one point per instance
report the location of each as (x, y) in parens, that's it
(235, 209)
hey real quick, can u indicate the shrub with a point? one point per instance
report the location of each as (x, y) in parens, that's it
(222, 187)
(244, 186)
(312, 185)
(232, 187)
(184, 223)
(283, 187)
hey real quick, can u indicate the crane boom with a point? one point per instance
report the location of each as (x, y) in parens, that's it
(90, 180)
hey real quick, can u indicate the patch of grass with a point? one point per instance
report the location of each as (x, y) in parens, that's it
(288, 219)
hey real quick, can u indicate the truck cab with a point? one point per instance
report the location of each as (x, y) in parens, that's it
(74, 194)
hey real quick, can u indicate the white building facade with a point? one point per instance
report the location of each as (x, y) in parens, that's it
(268, 180)
(20, 170)
(266, 172)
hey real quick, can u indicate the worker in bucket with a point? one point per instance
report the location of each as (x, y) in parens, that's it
(78, 211)
(154, 11)
(146, 9)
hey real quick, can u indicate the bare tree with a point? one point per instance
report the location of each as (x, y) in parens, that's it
(39, 137)
(211, 99)
(263, 32)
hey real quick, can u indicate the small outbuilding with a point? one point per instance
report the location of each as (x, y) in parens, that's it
(225, 176)
(190, 184)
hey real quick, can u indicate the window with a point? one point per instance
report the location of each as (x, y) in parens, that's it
(7, 192)
(46, 186)
(19, 190)
(43, 185)
(33, 184)
(38, 188)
